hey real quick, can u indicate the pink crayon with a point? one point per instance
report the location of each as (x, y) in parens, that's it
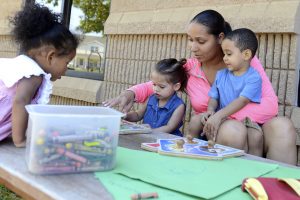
(59, 169)
(148, 195)
(71, 155)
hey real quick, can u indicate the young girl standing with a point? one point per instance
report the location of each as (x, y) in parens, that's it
(164, 110)
(46, 48)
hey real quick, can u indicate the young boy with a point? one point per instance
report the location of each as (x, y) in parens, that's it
(235, 87)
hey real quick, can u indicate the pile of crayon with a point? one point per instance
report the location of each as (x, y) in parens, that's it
(54, 151)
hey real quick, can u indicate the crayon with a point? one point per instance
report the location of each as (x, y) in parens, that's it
(73, 138)
(71, 155)
(50, 158)
(144, 195)
(59, 169)
(86, 148)
(97, 143)
(88, 153)
(91, 168)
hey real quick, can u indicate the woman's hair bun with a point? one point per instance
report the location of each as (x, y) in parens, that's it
(182, 61)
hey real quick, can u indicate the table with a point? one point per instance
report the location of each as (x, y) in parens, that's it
(14, 174)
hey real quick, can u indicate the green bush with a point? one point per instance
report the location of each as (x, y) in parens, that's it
(5, 194)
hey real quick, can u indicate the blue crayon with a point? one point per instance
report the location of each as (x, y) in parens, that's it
(50, 158)
(87, 153)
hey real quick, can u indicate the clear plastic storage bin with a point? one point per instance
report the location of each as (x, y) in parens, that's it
(71, 139)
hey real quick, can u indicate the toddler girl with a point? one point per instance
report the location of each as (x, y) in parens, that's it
(164, 110)
(46, 48)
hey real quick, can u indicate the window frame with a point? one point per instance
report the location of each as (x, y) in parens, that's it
(66, 17)
(66, 14)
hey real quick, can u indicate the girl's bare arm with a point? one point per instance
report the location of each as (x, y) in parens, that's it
(26, 89)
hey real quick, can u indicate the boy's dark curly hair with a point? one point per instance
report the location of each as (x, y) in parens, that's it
(35, 25)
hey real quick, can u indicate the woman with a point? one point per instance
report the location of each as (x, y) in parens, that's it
(205, 34)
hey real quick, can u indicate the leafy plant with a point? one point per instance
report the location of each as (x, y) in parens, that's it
(5, 194)
(95, 13)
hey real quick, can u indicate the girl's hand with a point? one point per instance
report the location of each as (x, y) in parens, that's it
(20, 145)
(125, 101)
(211, 126)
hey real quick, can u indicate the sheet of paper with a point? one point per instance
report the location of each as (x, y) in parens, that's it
(202, 178)
(123, 187)
(284, 172)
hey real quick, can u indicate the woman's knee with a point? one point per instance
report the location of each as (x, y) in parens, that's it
(280, 140)
(232, 133)
(279, 128)
(255, 138)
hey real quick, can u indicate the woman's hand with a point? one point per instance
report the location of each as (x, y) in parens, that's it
(125, 101)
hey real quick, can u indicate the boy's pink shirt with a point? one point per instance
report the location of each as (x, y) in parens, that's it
(198, 88)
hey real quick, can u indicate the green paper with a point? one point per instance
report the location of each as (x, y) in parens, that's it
(284, 172)
(115, 184)
(202, 178)
(123, 187)
(236, 193)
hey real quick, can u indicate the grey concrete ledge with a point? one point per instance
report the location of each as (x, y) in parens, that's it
(261, 17)
(78, 88)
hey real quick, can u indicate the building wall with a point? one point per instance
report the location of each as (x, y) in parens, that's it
(141, 32)
(8, 8)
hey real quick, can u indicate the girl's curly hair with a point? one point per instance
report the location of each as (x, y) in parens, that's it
(35, 25)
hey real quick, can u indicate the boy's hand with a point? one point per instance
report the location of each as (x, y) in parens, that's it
(211, 126)
(205, 116)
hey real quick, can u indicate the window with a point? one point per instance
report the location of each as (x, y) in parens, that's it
(89, 60)
(80, 61)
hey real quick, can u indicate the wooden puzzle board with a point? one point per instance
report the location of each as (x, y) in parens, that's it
(196, 149)
(133, 128)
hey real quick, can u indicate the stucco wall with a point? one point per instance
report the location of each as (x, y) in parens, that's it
(7, 9)
(141, 32)
(172, 16)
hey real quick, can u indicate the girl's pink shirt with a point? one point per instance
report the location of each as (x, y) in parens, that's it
(198, 88)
